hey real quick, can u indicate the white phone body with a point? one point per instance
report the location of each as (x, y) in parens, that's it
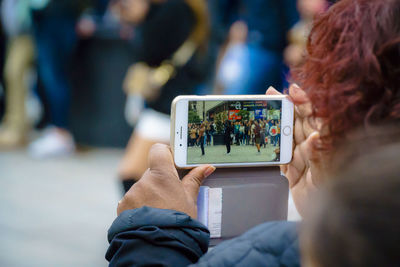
(180, 133)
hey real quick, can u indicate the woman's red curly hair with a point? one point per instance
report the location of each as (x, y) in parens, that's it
(352, 68)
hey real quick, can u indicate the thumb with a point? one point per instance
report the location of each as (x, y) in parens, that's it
(192, 181)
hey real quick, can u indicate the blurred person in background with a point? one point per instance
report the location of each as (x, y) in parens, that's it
(2, 60)
(297, 36)
(350, 80)
(254, 33)
(16, 20)
(55, 24)
(169, 42)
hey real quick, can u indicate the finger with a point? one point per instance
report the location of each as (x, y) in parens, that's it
(310, 180)
(304, 110)
(302, 103)
(316, 158)
(161, 160)
(272, 91)
(193, 180)
(309, 126)
(283, 168)
(295, 169)
(308, 148)
(297, 94)
(303, 154)
(299, 135)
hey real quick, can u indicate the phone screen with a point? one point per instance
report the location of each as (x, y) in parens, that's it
(234, 131)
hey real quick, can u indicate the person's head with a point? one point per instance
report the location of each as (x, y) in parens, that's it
(308, 8)
(351, 71)
(355, 219)
(132, 11)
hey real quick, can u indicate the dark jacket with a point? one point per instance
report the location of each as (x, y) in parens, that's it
(157, 237)
(72, 8)
(166, 27)
(227, 132)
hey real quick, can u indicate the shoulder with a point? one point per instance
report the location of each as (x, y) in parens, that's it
(272, 244)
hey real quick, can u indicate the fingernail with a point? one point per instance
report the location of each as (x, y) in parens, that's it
(314, 134)
(315, 138)
(209, 171)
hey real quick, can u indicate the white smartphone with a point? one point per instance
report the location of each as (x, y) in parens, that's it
(232, 130)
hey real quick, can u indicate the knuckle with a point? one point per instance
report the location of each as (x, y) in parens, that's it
(120, 206)
(196, 179)
(158, 146)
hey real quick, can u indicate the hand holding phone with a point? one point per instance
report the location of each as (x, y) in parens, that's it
(161, 182)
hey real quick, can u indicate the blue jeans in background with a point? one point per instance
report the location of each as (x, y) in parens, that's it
(55, 40)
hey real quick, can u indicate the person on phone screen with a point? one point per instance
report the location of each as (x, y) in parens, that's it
(257, 135)
(193, 135)
(252, 131)
(227, 136)
(242, 135)
(246, 132)
(262, 134)
(208, 133)
(200, 139)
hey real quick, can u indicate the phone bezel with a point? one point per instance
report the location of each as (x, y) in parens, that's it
(180, 121)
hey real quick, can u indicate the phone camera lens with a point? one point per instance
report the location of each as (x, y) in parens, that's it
(180, 145)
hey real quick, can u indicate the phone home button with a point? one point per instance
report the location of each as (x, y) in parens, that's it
(287, 130)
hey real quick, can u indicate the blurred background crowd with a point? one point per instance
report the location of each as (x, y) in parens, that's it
(80, 74)
(85, 71)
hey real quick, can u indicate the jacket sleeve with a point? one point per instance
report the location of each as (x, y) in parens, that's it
(271, 244)
(156, 237)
